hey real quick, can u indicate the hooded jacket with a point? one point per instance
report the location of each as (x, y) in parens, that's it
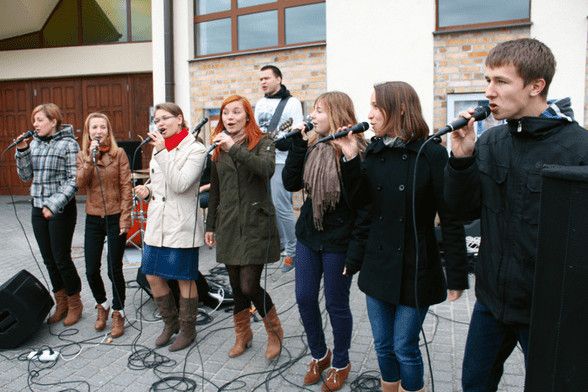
(501, 184)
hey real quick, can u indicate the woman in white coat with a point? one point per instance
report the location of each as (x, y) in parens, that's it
(174, 230)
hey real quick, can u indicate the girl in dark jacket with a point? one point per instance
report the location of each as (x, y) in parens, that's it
(390, 271)
(327, 237)
(238, 219)
(108, 215)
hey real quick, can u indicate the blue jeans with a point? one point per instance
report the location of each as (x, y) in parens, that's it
(488, 346)
(396, 331)
(282, 200)
(310, 266)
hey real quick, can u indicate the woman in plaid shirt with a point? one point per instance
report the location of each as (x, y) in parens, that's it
(50, 161)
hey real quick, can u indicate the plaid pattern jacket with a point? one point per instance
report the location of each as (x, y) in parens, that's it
(51, 164)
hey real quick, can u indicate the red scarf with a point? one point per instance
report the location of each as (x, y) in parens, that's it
(175, 140)
(102, 147)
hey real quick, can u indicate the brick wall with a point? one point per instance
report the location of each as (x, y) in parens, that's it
(303, 70)
(459, 64)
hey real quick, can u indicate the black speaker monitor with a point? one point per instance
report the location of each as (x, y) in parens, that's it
(24, 306)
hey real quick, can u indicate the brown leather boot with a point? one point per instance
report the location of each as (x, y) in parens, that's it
(169, 314)
(275, 336)
(74, 309)
(390, 386)
(118, 324)
(60, 307)
(316, 368)
(102, 317)
(336, 378)
(243, 333)
(188, 314)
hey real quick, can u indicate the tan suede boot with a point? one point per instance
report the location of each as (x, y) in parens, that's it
(118, 325)
(60, 307)
(404, 390)
(243, 333)
(169, 314)
(188, 314)
(275, 336)
(102, 317)
(390, 386)
(74, 309)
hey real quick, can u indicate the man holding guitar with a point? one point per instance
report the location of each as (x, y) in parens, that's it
(277, 106)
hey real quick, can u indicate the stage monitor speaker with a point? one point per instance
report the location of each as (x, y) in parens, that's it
(130, 147)
(557, 357)
(24, 306)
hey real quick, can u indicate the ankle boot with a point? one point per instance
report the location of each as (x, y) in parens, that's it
(102, 317)
(188, 314)
(74, 309)
(169, 314)
(60, 307)
(404, 390)
(243, 333)
(390, 386)
(118, 325)
(275, 336)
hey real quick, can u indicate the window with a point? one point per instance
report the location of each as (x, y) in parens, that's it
(452, 14)
(225, 26)
(102, 21)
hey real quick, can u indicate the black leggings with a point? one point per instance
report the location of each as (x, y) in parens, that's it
(246, 288)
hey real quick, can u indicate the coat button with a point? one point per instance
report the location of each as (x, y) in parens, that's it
(401, 188)
(225, 204)
(400, 248)
(225, 188)
(237, 203)
(222, 172)
(383, 159)
(381, 217)
(163, 199)
(379, 247)
(152, 197)
(379, 187)
(401, 219)
(340, 220)
(321, 248)
(404, 157)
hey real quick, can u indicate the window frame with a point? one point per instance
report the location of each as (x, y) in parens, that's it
(234, 13)
(510, 22)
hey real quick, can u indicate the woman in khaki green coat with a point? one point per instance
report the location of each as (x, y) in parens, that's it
(238, 220)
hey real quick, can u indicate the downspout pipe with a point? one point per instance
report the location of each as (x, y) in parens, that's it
(168, 39)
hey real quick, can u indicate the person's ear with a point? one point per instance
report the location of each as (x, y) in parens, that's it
(537, 86)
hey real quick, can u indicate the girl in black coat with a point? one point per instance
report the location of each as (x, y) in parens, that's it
(390, 266)
(327, 235)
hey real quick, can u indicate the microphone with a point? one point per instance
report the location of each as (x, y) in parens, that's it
(214, 144)
(200, 125)
(147, 140)
(95, 149)
(357, 128)
(480, 113)
(308, 125)
(20, 139)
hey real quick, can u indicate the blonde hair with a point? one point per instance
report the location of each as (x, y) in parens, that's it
(86, 140)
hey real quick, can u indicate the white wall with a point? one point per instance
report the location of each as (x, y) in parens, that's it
(183, 51)
(563, 26)
(376, 41)
(75, 61)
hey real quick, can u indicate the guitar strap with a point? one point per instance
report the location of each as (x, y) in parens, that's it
(271, 129)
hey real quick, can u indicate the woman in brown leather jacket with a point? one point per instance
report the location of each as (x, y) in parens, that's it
(103, 169)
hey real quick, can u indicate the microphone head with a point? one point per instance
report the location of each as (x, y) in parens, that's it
(481, 112)
(308, 125)
(364, 126)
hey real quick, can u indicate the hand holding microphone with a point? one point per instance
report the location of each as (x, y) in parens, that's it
(94, 147)
(344, 139)
(463, 141)
(223, 140)
(22, 139)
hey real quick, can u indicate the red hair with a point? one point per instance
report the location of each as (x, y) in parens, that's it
(252, 132)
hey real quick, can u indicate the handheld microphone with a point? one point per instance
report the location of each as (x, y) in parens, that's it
(308, 125)
(147, 140)
(20, 139)
(357, 128)
(95, 149)
(199, 126)
(214, 144)
(480, 113)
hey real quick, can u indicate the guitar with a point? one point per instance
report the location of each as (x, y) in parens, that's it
(283, 128)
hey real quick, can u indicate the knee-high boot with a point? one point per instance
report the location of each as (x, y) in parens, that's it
(188, 314)
(243, 333)
(169, 314)
(275, 333)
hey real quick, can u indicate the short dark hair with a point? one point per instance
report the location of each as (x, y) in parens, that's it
(531, 58)
(275, 70)
(51, 111)
(173, 109)
(401, 107)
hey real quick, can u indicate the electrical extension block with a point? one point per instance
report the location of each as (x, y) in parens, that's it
(45, 356)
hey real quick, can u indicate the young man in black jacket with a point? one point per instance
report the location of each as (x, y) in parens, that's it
(497, 179)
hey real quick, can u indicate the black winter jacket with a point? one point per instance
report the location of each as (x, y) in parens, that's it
(344, 231)
(385, 178)
(501, 185)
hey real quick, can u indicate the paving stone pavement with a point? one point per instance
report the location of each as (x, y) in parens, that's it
(132, 364)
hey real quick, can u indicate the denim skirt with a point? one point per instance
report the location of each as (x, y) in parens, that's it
(170, 263)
